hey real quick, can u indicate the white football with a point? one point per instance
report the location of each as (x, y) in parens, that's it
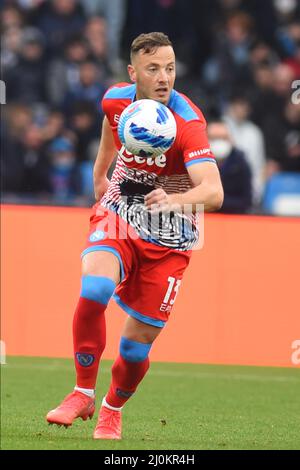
(147, 128)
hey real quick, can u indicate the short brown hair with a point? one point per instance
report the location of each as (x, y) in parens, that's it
(149, 43)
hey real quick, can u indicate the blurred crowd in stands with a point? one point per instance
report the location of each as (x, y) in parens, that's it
(237, 59)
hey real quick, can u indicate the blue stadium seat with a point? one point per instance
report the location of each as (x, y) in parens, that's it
(282, 195)
(87, 182)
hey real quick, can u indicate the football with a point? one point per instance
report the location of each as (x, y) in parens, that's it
(147, 128)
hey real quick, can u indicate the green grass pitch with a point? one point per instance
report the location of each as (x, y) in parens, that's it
(178, 407)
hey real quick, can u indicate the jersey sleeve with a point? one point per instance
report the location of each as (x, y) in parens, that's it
(194, 143)
(106, 105)
(116, 98)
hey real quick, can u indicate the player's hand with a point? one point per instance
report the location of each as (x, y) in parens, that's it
(159, 201)
(100, 186)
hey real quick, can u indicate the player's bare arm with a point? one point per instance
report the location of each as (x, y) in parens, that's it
(207, 190)
(106, 154)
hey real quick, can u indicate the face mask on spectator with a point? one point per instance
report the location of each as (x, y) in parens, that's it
(221, 148)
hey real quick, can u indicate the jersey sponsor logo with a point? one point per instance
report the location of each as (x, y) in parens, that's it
(84, 359)
(116, 117)
(199, 153)
(141, 176)
(97, 236)
(127, 157)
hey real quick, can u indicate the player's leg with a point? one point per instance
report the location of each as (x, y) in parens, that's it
(148, 296)
(128, 370)
(100, 275)
(132, 362)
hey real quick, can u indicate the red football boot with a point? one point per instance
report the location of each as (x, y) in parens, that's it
(75, 405)
(109, 424)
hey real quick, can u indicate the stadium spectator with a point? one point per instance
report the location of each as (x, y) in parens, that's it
(85, 123)
(12, 22)
(58, 20)
(283, 77)
(96, 36)
(234, 170)
(248, 138)
(283, 140)
(229, 65)
(11, 47)
(90, 87)
(30, 4)
(63, 72)
(16, 120)
(114, 13)
(64, 176)
(262, 95)
(264, 15)
(282, 82)
(286, 10)
(262, 54)
(34, 162)
(292, 56)
(26, 80)
(54, 125)
(12, 17)
(171, 16)
(270, 95)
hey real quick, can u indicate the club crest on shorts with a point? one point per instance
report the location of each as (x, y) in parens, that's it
(84, 359)
(97, 236)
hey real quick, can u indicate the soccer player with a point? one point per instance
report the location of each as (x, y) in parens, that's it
(141, 264)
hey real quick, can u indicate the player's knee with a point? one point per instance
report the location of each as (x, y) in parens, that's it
(133, 351)
(97, 288)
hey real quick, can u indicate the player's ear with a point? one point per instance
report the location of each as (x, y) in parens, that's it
(131, 73)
